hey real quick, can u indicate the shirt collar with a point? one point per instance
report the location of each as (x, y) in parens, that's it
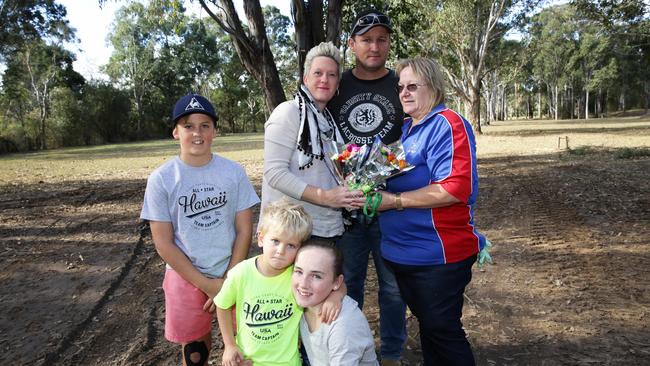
(436, 110)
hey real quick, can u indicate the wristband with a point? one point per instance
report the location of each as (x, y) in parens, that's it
(398, 201)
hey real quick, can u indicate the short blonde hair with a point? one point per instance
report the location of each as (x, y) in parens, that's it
(287, 217)
(326, 49)
(429, 71)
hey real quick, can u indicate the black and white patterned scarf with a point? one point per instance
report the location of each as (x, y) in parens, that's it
(315, 127)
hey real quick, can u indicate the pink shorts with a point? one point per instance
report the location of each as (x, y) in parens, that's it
(185, 319)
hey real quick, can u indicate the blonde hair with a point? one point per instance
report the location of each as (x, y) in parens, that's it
(429, 71)
(287, 217)
(326, 49)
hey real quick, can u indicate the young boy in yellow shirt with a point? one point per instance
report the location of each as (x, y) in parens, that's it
(267, 315)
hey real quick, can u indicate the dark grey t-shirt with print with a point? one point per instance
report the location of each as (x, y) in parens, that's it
(364, 109)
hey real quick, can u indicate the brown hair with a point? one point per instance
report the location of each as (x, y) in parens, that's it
(329, 246)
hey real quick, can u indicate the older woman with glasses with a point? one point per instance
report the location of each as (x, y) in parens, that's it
(428, 234)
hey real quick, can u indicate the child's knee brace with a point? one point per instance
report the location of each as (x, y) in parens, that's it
(195, 347)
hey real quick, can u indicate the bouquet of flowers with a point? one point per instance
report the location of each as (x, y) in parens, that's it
(367, 167)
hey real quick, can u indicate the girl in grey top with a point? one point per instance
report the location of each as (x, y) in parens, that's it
(347, 340)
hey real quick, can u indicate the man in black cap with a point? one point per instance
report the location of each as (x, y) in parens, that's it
(367, 105)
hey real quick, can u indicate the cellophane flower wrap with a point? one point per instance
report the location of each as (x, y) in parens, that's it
(367, 167)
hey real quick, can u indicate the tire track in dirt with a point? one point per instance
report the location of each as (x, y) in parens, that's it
(66, 343)
(129, 320)
(33, 248)
(556, 295)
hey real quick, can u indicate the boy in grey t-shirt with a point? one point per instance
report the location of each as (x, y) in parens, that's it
(199, 205)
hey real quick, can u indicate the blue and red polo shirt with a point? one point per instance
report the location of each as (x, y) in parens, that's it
(442, 150)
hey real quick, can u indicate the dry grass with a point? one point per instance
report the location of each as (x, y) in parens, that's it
(137, 160)
(116, 161)
(537, 137)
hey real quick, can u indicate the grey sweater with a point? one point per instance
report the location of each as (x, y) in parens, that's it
(282, 178)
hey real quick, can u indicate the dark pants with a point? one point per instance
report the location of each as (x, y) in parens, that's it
(356, 244)
(435, 296)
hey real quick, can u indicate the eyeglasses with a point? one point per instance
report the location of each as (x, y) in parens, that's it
(410, 87)
(371, 19)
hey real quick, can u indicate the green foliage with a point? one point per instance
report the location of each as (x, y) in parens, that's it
(581, 151)
(27, 21)
(32, 74)
(407, 19)
(283, 47)
(104, 110)
(632, 152)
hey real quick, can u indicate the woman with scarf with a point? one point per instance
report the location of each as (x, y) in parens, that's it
(295, 165)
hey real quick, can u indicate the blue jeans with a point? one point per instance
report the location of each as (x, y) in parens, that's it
(435, 296)
(356, 244)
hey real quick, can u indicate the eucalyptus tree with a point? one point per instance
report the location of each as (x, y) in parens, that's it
(131, 65)
(591, 57)
(26, 21)
(312, 24)
(463, 34)
(33, 72)
(283, 46)
(251, 44)
(503, 75)
(627, 22)
(553, 43)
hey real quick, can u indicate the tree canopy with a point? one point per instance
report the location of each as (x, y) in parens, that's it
(502, 59)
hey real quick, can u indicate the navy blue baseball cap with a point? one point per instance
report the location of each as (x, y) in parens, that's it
(193, 103)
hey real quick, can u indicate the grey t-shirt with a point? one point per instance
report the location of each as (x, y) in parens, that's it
(347, 341)
(201, 204)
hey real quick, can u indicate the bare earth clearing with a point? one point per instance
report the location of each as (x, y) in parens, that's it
(80, 280)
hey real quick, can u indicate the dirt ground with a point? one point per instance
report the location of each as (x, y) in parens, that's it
(81, 282)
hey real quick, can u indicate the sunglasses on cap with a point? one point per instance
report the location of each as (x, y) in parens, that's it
(410, 87)
(371, 20)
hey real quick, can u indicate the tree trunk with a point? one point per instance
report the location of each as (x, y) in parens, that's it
(254, 50)
(475, 111)
(573, 106)
(646, 87)
(586, 104)
(516, 111)
(621, 100)
(539, 104)
(308, 24)
(557, 107)
(504, 104)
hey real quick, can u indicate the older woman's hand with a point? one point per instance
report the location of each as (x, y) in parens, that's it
(387, 201)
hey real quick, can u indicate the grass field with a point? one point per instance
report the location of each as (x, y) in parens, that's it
(137, 160)
(117, 161)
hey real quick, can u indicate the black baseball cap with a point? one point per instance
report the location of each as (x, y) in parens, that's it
(369, 19)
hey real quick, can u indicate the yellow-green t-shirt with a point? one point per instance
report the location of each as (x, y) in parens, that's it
(266, 312)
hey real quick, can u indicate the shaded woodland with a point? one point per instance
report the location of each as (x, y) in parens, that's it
(503, 60)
